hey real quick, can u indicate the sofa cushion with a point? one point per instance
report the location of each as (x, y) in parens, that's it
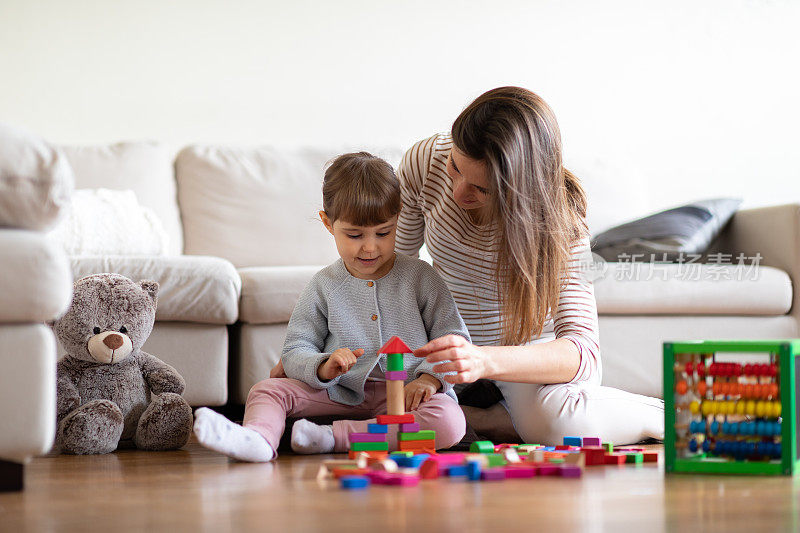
(35, 280)
(27, 391)
(692, 289)
(192, 288)
(146, 168)
(35, 180)
(256, 206)
(269, 294)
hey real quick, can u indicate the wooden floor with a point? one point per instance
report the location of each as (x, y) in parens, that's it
(198, 490)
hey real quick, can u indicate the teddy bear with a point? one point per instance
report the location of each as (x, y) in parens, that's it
(109, 391)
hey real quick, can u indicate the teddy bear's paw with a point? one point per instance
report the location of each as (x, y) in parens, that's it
(94, 427)
(166, 424)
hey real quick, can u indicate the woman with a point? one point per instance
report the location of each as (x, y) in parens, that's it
(504, 222)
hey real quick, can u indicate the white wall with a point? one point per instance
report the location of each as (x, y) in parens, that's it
(684, 99)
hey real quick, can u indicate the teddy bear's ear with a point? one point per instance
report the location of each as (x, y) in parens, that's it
(150, 286)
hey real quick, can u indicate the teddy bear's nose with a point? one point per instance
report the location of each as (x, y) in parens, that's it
(113, 341)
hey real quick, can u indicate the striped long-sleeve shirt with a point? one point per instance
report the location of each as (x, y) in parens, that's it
(465, 255)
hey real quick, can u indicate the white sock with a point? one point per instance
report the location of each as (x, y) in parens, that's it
(308, 437)
(217, 433)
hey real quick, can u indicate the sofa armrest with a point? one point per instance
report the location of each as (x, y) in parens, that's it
(774, 233)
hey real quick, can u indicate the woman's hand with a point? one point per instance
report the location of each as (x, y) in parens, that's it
(456, 354)
(420, 390)
(339, 362)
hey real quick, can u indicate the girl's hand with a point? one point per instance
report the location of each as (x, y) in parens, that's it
(338, 363)
(456, 354)
(420, 390)
(277, 371)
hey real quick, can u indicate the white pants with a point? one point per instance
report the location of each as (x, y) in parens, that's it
(545, 414)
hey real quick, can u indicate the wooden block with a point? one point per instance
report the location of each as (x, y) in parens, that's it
(591, 441)
(377, 428)
(409, 428)
(594, 455)
(576, 459)
(635, 457)
(407, 418)
(430, 469)
(421, 446)
(496, 459)
(482, 446)
(354, 482)
(521, 471)
(511, 455)
(573, 441)
(548, 470)
(403, 480)
(570, 471)
(395, 402)
(386, 465)
(369, 446)
(340, 472)
(394, 362)
(615, 459)
(427, 434)
(396, 375)
(367, 437)
(527, 448)
(493, 474)
(448, 458)
(609, 446)
(353, 454)
(650, 457)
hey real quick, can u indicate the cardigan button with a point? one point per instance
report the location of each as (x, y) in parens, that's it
(374, 317)
(370, 284)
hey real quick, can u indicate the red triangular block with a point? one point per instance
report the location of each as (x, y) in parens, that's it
(395, 345)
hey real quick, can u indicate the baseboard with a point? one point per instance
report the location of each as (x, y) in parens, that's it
(11, 476)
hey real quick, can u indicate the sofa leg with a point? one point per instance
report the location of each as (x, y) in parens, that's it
(11, 476)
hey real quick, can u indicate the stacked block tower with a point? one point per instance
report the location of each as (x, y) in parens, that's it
(409, 436)
(731, 407)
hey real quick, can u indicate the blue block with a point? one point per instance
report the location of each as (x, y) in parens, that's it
(473, 470)
(377, 428)
(354, 482)
(457, 470)
(410, 462)
(573, 441)
(549, 448)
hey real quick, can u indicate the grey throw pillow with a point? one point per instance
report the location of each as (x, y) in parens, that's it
(664, 236)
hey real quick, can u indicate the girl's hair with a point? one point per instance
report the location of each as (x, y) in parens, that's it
(361, 189)
(539, 206)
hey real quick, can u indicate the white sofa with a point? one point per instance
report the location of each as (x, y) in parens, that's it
(35, 287)
(246, 240)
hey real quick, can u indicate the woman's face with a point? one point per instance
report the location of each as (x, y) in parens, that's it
(470, 180)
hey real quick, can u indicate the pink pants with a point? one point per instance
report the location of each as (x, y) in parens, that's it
(271, 401)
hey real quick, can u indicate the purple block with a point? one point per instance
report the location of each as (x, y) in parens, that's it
(396, 375)
(409, 428)
(493, 474)
(591, 441)
(548, 469)
(367, 437)
(404, 480)
(379, 477)
(570, 471)
(513, 472)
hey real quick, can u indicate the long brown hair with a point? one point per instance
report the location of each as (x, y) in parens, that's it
(539, 206)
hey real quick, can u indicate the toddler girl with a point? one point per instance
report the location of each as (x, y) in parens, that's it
(344, 315)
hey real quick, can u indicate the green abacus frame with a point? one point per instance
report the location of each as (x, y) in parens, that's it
(787, 352)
